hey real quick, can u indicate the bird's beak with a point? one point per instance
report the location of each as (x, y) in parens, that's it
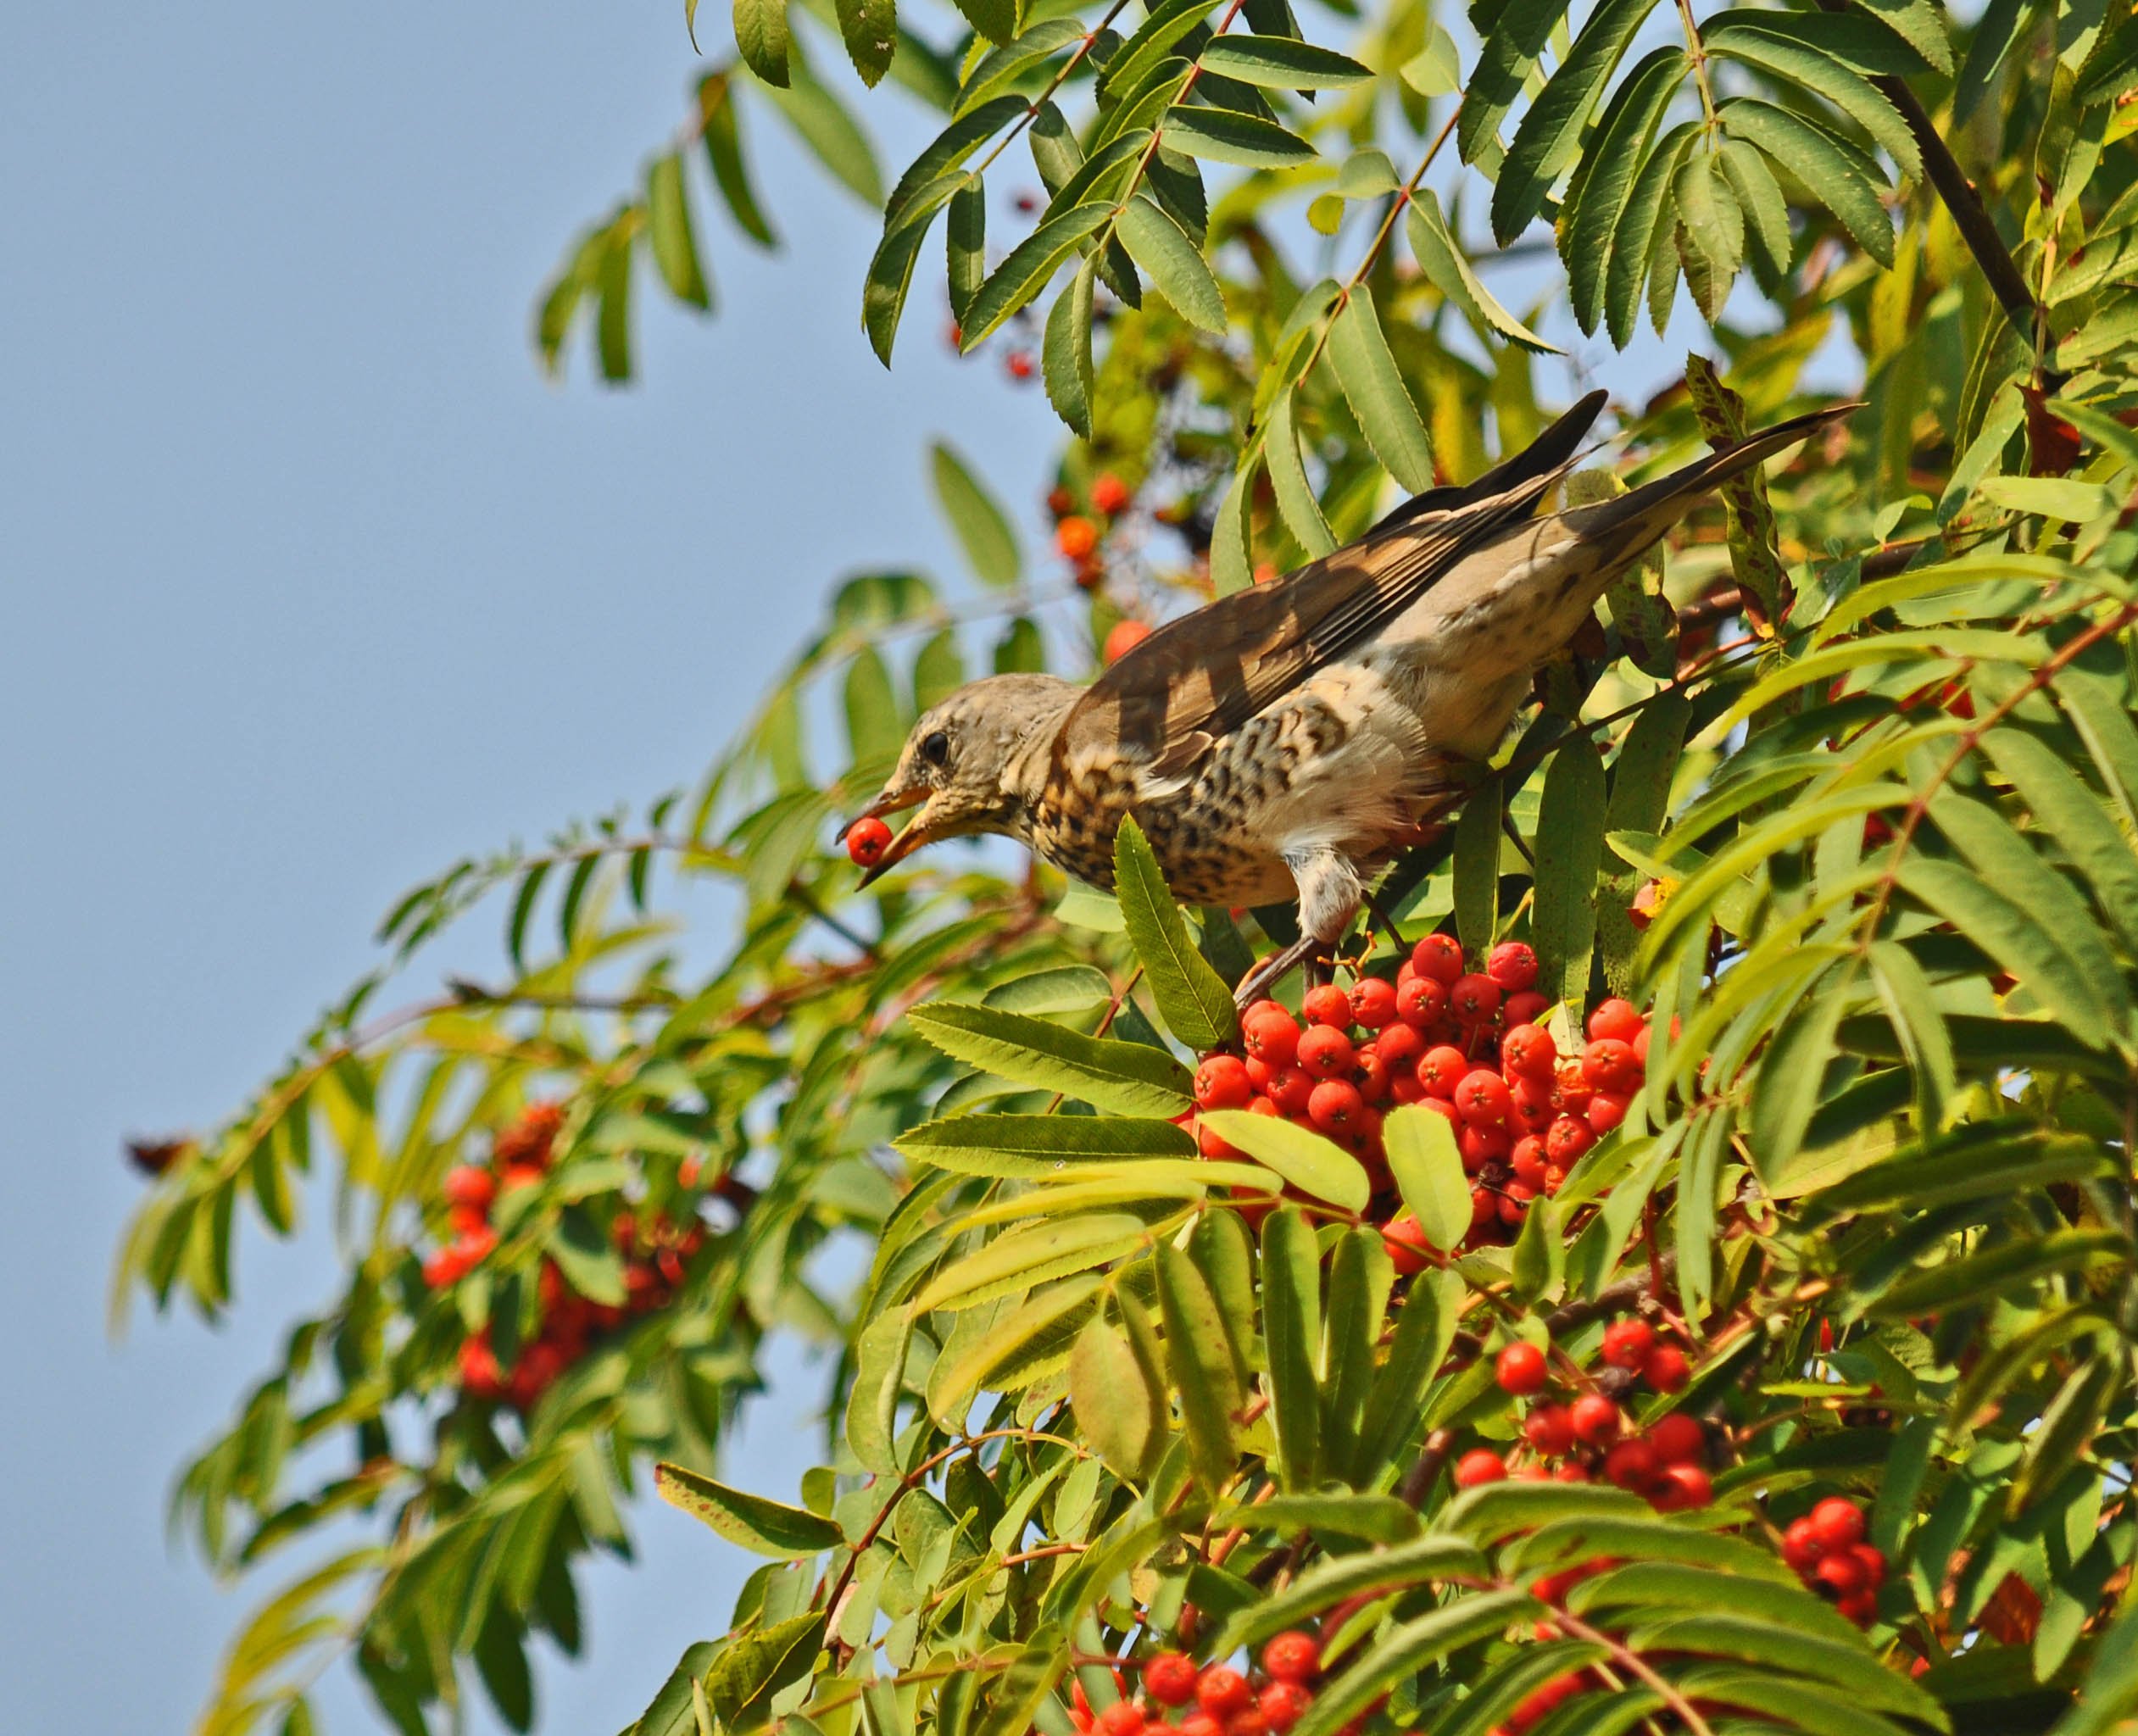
(903, 843)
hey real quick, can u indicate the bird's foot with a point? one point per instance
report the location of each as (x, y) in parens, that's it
(1257, 983)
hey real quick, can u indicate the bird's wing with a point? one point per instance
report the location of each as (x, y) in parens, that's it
(1547, 452)
(1198, 678)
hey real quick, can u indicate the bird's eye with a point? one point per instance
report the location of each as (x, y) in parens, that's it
(935, 747)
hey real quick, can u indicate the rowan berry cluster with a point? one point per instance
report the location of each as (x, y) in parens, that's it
(1464, 1044)
(655, 1256)
(1585, 1438)
(1826, 1547)
(1078, 535)
(1181, 1698)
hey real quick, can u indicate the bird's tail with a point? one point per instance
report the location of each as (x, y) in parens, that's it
(1638, 517)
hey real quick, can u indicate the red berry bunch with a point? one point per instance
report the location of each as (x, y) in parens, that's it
(655, 1258)
(1587, 1436)
(1826, 1548)
(1214, 1700)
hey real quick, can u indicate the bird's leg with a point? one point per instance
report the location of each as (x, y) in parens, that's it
(1274, 969)
(1379, 912)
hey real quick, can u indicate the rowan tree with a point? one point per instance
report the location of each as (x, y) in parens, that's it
(1680, 1277)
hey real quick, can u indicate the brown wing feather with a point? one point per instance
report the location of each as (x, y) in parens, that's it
(1199, 677)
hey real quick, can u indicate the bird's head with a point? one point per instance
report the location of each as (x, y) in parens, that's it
(960, 765)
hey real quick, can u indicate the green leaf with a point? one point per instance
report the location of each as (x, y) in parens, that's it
(1545, 143)
(760, 33)
(1018, 1691)
(2069, 1425)
(1291, 1331)
(1477, 868)
(1120, 1405)
(1797, 65)
(966, 238)
(995, 19)
(1919, 23)
(1569, 846)
(1851, 1668)
(2076, 819)
(612, 311)
(1022, 1259)
(1597, 200)
(1295, 501)
(1122, 1079)
(1311, 1163)
(870, 31)
(982, 527)
(1428, 1171)
(872, 1403)
(1835, 174)
(753, 1667)
(1664, 1584)
(1366, 369)
(1175, 265)
(2011, 934)
(1191, 998)
(1513, 39)
(1333, 1579)
(1200, 1360)
(1911, 1003)
(668, 219)
(890, 276)
(1409, 1648)
(1039, 1146)
(1710, 231)
(1446, 267)
(1009, 62)
(1065, 354)
(1632, 236)
(1026, 272)
(828, 128)
(722, 133)
(1281, 63)
(763, 1526)
(1759, 197)
(1425, 1329)
(1232, 566)
(945, 153)
(1225, 136)
(2002, 1267)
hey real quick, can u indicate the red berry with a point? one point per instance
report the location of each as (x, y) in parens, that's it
(1399, 1046)
(1873, 1562)
(1250, 1723)
(1606, 1109)
(866, 840)
(1124, 1717)
(1514, 1200)
(1335, 1106)
(1370, 1073)
(1520, 1369)
(1595, 1420)
(1404, 1236)
(1839, 1523)
(1293, 1656)
(1221, 1083)
(1839, 1575)
(1478, 1466)
(1567, 1140)
(1530, 1049)
(1630, 1464)
(1481, 1098)
(1680, 1487)
(1608, 1065)
(1059, 501)
(1169, 1679)
(1512, 964)
(1270, 1035)
(1222, 1691)
(1678, 1438)
(1201, 1723)
(1109, 493)
(1123, 637)
(466, 1220)
(469, 1185)
(1480, 1146)
(1439, 956)
(1328, 1005)
(1862, 1608)
(1626, 1343)
(1527, 1161)
(1473, 999)
(1801, 1545)
(1373, 1003)
(1525, 1008)
(1615, 1018)
(1291, 1088)
(1283, 1703)
(1440, 1070)
(1325, 1052)
(1076, 537)
(1667, 1369)
(1550, 1429)
(1571, 1471)
(1422, 1001)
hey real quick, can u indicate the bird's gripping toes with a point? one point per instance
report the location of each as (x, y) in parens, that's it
(1293, 736)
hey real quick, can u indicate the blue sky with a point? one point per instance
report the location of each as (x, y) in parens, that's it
(313, 583)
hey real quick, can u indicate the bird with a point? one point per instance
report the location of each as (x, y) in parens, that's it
(1290, 739)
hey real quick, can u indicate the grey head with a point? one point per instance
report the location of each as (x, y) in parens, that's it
(960, 767)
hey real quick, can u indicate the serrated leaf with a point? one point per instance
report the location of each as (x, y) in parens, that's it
(1835, 174)
(1225, 135)
(1200, 1362)
(721, 132)
(1026, 271)
(1010, 62)
(1799, 66)
(1020, 1260)
(1280, 62)
(1191, 998)
(762, 35)
(1441, 258)
(1291, 1331)
(1634, 234)
(1040, 1147)
(1373, 385)
(1759, 197)
(668, 224)
(1516, 36)
(1407, 1649)
(1546, 142)
(1295, 501)
(1313, 1165)
(1851, 1668)
(1425, 1329)
(753, 1666)
(870, 29)
(982, 527)
(1333, 1579)
(1597, 198)
(965, 236)
(766, 1527)
(1175, 265)
(1123, 1079)
(1428, 1171)
(1569, 846)
(1120, 1407)
(2010, 933)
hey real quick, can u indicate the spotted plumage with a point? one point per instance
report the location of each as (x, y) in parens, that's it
(1293, 737)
